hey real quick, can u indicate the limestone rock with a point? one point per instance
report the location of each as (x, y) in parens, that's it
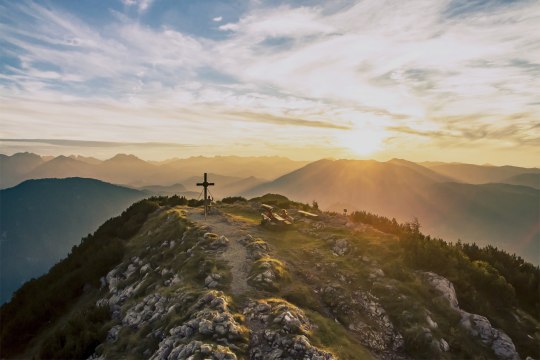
(477, 325)
(279, 332)
(341, 247)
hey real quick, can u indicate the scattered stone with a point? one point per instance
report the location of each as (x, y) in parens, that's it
(151, 308)
(145, 268)
(432, 324)
(112, 335)
(212, 281)
(341, 247)
(286, 341)
(444, 345)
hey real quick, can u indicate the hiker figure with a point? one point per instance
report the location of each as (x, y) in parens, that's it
(209, 201)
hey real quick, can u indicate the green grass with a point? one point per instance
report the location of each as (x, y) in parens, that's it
(332, 336)
(242, 213)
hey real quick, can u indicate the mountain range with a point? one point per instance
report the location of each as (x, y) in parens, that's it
(132, 171)
(485, 204)
(499, 214)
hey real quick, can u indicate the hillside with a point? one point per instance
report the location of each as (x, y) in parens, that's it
(40, 220)
(159, 282)
(498, 214)
(479, 174)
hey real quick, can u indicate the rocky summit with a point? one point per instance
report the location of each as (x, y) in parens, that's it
(172, 285)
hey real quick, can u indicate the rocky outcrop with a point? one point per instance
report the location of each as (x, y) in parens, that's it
(267, 274)
(211, 241)
(361, 313)
(256, 247)
(210, 321)
(477, 325)
(341, 247)
(151, 308)
(279, 331)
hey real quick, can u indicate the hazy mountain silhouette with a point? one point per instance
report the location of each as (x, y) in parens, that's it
(86, 159)
(61, 167)
(498, 214)
(40, 220)
(132, 171)
(264, 167)
(479, 174)
(13, 168)
(165, 190)
(127, 169)
(528, 179)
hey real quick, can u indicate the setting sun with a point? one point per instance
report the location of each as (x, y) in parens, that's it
(361, 141)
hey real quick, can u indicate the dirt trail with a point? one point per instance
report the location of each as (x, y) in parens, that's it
(236, 254)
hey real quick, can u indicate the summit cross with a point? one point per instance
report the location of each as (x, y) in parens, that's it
(205, 184)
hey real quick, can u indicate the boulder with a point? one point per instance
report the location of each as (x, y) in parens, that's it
(478, 326)
(341, 247)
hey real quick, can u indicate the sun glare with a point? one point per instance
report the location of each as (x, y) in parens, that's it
(361, 141)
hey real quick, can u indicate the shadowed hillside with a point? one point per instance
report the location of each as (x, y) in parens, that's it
(41, 220)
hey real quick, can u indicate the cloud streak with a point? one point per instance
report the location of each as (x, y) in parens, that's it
(431, 72)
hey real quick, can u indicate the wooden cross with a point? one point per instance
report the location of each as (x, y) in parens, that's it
(205, 184)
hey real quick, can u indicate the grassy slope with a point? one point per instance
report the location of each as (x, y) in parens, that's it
(402, 291)
(311, 265)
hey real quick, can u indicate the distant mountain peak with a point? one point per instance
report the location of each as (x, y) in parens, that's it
(125, 157)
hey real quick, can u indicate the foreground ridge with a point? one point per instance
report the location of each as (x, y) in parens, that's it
(326, 287)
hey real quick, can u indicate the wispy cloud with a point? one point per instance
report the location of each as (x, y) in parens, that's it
(140, 5)
(97, 144)
(433, 73)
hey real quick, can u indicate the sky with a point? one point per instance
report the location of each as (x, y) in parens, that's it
(424, 80)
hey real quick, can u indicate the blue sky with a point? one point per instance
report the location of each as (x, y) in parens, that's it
(420, 79)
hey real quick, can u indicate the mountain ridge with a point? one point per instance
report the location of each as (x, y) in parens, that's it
(174, 285)
(452, 210)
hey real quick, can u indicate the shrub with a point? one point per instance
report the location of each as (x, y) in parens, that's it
(233, 199)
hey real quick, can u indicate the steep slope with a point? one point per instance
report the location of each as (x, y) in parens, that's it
(501, 215)
(178, 286)
(13, 168)
(479, 174)
(40, 220)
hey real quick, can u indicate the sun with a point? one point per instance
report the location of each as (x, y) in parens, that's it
(361, 141)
